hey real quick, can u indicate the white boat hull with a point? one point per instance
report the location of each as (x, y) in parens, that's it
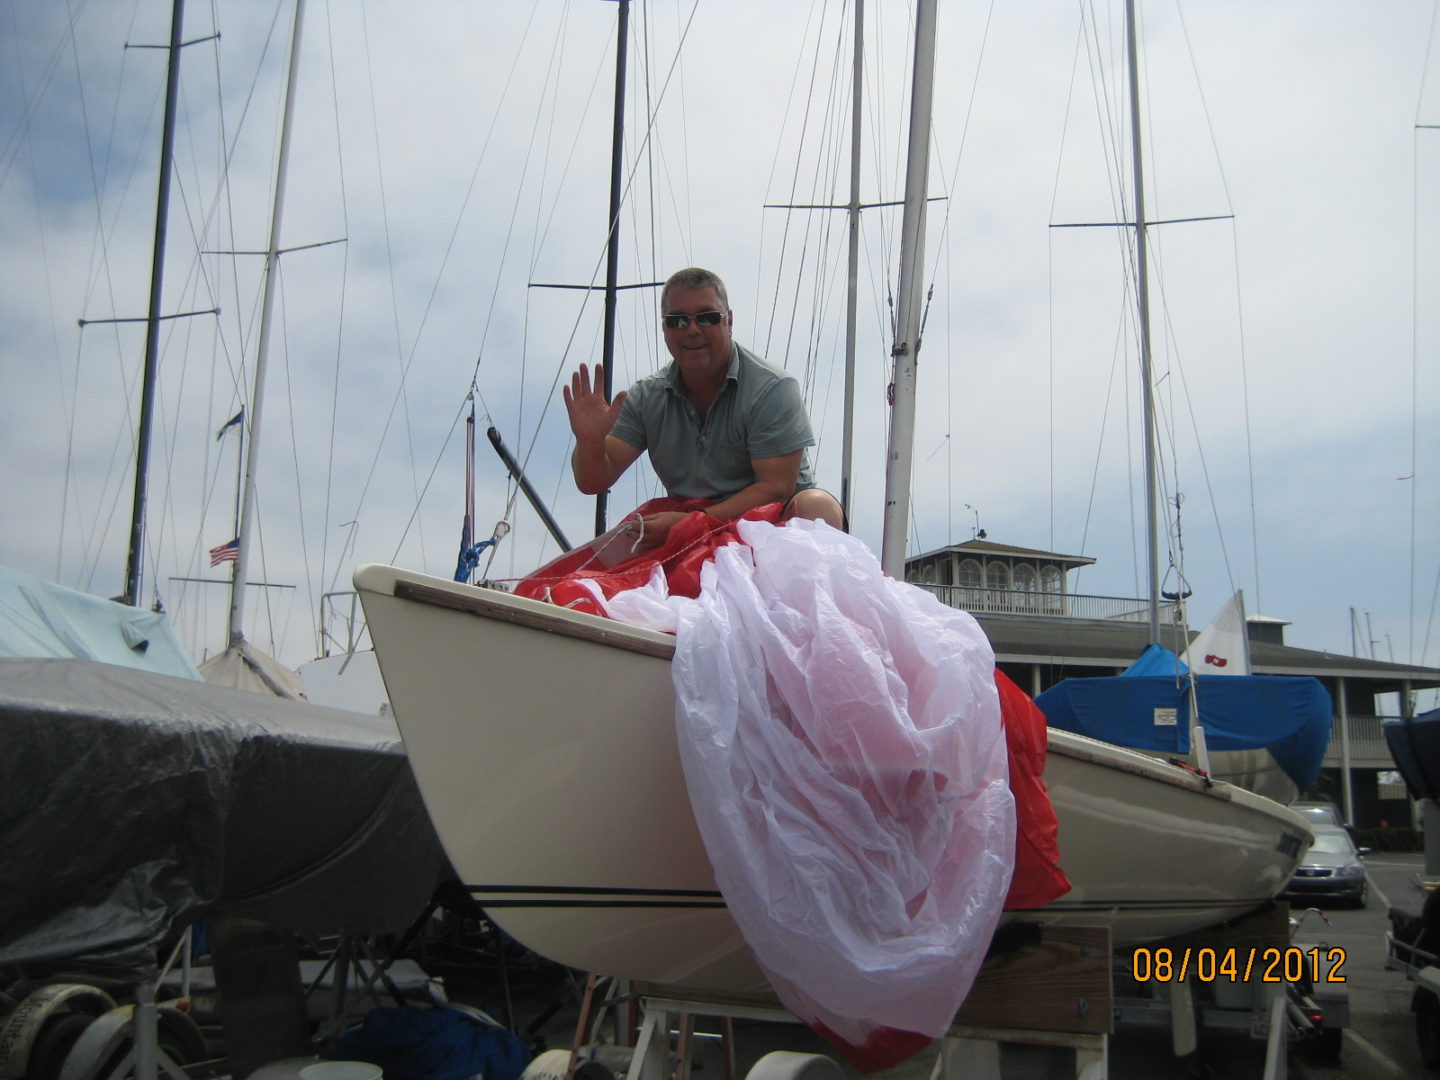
(543, 742)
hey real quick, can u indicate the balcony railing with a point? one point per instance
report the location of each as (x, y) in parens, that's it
(1368, 748)
(974, 598)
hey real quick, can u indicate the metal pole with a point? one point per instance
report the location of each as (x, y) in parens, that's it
(1347, 794)
(493, 434)
(612, 253)
(852, 282)
(910, 293)
(1142, 285)
(136, 557)
(272, 265)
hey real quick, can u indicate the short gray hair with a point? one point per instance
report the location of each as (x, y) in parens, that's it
(693, 277)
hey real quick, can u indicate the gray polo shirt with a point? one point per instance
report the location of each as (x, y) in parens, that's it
(759, 414)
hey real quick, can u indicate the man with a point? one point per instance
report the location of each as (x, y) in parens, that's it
(719, 422)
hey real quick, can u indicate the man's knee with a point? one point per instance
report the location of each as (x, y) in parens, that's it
(817, 505)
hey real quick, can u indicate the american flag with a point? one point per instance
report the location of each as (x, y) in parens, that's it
(225, 552)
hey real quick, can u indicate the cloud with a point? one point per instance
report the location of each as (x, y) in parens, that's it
(1284, 337)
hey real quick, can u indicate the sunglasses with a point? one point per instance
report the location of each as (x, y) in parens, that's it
(702, 318)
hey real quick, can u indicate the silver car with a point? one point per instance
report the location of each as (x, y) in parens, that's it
(1332, 869)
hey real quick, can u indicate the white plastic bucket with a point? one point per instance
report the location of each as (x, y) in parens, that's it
(342, 1070)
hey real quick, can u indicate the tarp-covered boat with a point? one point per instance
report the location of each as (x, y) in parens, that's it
(133, 803)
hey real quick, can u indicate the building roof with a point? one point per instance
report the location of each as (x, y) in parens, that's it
(1065, 642)
(989, 547)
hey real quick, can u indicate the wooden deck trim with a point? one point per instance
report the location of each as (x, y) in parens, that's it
(609, 633)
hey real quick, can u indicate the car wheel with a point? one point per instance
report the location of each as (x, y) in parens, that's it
(1363, 896)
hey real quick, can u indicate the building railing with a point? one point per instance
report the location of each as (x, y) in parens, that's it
(1368, 748)
(976, 598)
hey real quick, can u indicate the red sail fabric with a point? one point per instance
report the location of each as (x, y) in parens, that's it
(607, 563)
(1038, 878)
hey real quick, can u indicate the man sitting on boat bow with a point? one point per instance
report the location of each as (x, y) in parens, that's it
(720, 423)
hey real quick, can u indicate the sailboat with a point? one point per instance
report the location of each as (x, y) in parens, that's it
(1270, 732)
(542, 740)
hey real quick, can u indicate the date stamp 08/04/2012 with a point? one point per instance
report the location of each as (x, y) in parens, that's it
(1268, 965)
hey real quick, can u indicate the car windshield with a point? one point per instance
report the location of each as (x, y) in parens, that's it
(1332, 843)
(1323, 813)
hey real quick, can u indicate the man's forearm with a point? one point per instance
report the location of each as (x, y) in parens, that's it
(747, 499)
(593, 470)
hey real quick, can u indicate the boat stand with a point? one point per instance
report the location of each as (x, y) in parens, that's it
(1052, 991)
(1051, 987)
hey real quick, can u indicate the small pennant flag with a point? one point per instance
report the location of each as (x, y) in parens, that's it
(234, 421)
(225, 552)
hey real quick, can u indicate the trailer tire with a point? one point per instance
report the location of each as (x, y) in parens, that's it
(1427, 1027)
(53, 1044)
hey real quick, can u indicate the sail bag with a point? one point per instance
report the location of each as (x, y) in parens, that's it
(842, 745)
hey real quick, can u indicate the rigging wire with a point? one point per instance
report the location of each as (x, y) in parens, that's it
(1421, 129)
(414, 347)
(562, 364)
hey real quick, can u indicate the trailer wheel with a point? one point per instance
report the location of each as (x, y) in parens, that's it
(1427, 1027)
(54, 1043)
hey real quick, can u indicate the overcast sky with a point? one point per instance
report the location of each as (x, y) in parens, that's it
(461, 152)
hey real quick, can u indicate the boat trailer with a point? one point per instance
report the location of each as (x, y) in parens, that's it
(1066, 989)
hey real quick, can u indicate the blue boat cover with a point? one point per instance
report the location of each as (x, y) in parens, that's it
(1289, 716)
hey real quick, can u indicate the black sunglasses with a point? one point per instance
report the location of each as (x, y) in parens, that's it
(702, 318)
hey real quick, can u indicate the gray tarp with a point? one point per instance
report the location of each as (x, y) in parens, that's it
(132, 803)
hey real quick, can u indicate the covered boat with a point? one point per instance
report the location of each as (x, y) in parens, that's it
(134, 803)
(1267, 733)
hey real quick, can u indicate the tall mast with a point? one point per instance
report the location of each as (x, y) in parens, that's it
(909, 297)
(612, 248)
(852, 280)
(272, 262)
(136, 557)
(1142, 287)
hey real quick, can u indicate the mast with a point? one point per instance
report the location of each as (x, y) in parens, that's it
(1142, 296)
(1142, 286)
(852, 280)
(612, 245)
(272, 261)
(909, 297)
(136, 557)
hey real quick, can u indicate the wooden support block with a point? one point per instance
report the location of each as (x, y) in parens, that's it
(1061, 983)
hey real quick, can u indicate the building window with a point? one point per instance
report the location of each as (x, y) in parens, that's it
(997, 587)
(1052, 583)
(1026, 587)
